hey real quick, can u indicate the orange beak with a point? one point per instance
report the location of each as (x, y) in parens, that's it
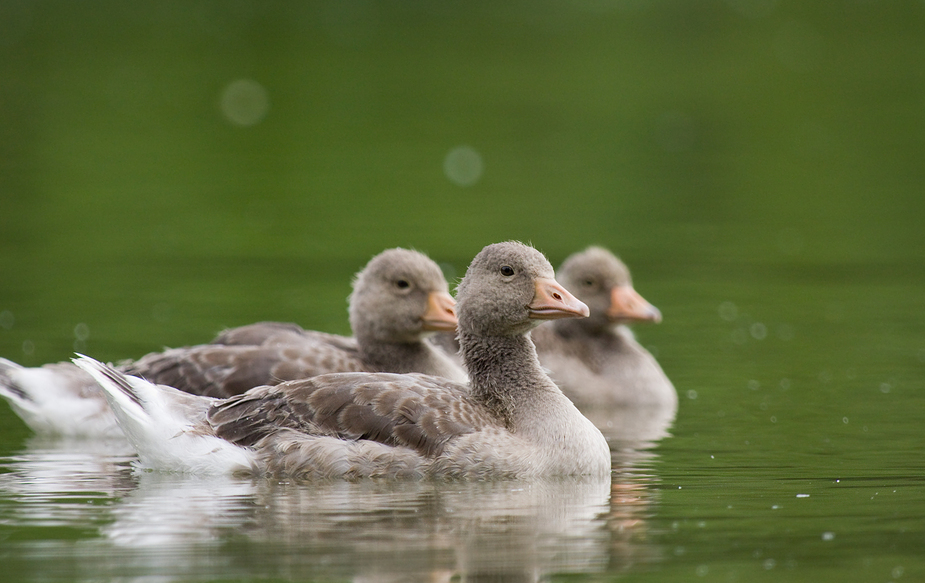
(552, 302)
(628, 306)
(441, 313)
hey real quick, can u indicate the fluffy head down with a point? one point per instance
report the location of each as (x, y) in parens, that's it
(494, 296)
(394, 287)
(603, 282)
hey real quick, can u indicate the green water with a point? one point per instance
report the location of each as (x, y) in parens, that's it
(758, 164)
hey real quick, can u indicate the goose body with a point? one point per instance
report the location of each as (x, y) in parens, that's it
(398, 299)
(511, 420)
(597, 361)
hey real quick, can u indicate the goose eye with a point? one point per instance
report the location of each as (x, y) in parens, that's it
(402, 284)
(507, 270)
(588, 282)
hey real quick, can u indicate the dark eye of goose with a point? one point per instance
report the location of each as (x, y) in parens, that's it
(507, 270)
(402, 284)
(588, 282)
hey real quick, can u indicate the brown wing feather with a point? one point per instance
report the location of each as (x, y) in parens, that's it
(227, 370)
(257, 334)
(415, 411)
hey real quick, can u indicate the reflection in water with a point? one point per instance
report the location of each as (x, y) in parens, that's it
(58, 482)
(632, 427)
(138, 525)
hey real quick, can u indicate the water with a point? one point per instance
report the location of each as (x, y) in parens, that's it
(171, 170)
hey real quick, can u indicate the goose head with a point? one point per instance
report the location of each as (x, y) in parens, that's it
(602, 281)
(510, 288)
(399, 297)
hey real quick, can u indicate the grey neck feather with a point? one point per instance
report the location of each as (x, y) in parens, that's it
(400, 356)
(504, 372)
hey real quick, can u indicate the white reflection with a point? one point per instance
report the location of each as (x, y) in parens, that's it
(379, 531)
(632, 427)
(245, 102)
(168, 527)
(463, 166)
(52, 479)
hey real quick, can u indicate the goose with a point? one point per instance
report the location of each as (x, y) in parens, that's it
(510, 421)
(398, 299)
(597, 361)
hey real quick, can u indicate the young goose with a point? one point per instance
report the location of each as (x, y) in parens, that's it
(398, 298)
(597, 361)
(511, 421)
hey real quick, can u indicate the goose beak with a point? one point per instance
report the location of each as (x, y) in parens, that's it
(441, 313)
(628, 306)
(552, 302)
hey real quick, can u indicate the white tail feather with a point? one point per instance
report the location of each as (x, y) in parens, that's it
(167, 427)
(57, 399)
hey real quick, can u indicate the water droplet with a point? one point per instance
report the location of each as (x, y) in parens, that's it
(81, 332)
(785, 384)
(244, 102)
(729, 312)
(844, 420)
(6, 319)
(702, 570)
(754, 385)
(769, 564)
(802, 495)
(463, 166)
(773, 419)
(691, 394)
(758, 331)
(28, 347)
(885, 387)
(898, 572)
(828, 536)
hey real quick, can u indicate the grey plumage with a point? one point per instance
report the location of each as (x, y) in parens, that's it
(511, 421)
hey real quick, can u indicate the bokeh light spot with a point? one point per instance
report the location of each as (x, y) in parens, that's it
(463, 166)
(245, 102)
